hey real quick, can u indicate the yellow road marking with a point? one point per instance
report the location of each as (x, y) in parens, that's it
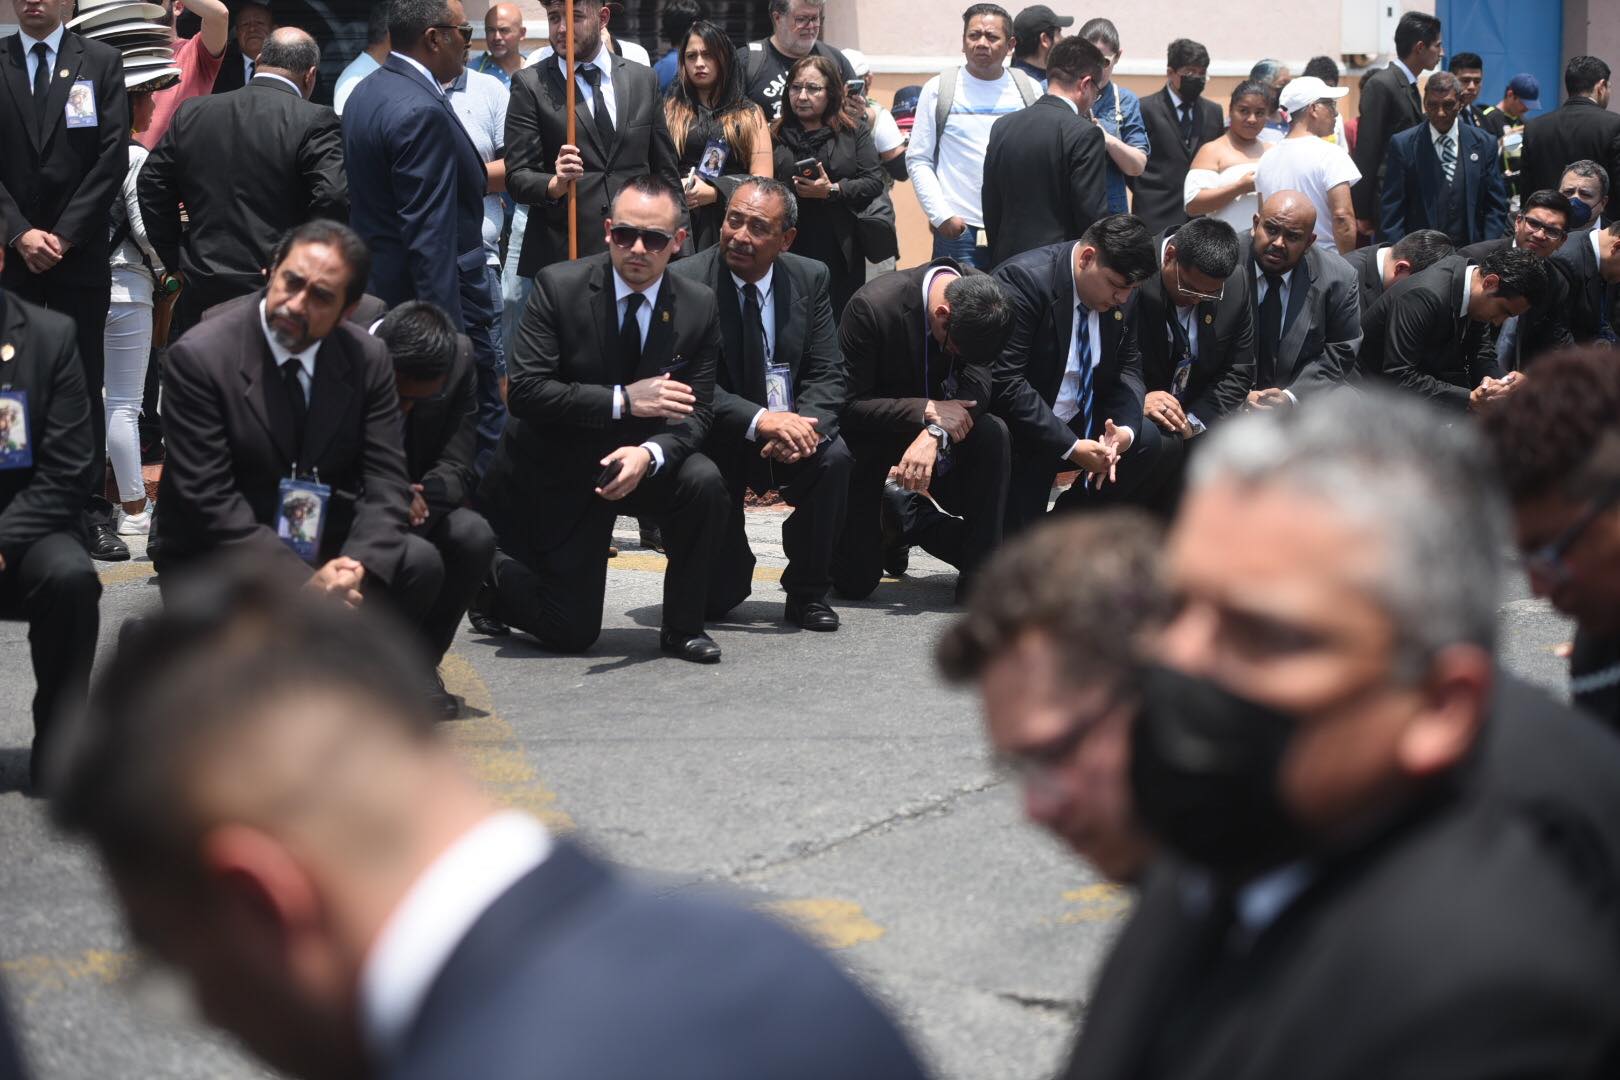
(1096, 903)
(834, 924)
(489, 746)
(123, 573)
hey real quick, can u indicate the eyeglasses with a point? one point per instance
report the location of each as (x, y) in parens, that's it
(1547, 561)
(806, 22)
(464, 29)
(806, 88)
(1038, 764)
(654, 240)
(1551, 232)
(1187, 290)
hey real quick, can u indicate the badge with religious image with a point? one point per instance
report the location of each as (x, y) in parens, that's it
(301, 517)
(16, 449)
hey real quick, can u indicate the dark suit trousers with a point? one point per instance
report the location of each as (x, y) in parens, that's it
(53, 586)
(481, 307)
(410, 596)
(817, 489)
(466, 547)
(974, 489)
(86, 305)
(1034, 470)
(556, 595)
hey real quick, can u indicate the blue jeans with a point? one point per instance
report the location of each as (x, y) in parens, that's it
(513, 290)
(962, 249)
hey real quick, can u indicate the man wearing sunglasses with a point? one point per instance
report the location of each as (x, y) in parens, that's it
(1195, 327)
(1540, 228)
(611, 396)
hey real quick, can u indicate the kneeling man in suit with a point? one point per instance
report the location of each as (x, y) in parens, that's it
(611, 395)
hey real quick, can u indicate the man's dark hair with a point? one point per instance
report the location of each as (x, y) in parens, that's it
(1323, 67)
(654, 185)
(421, 339)
(981, 317)
(677, 19)
(1255, 88)
(295, 54)
(377, 24)
(1072, 59)
(769, 185)
(1422, 249)
(1101, 33)
(409, 20)
(1415, 28)
(1091, 584)
(1466, 61)
(1547, 199)
(1208, 245)
(1560, 431)
(1583, 73)
(1519, 273)
(356, 256)
(1591, 170)
(1124, 246)
(987, 9)
(1185, 52)
(230, 642)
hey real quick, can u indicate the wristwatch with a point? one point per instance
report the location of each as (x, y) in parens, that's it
(939, 434)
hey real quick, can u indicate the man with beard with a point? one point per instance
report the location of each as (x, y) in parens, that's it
(1364, 885)
(285, 392)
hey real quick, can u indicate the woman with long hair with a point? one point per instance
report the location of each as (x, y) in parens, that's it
(721, 134)
(1220, 183)
(829, 161)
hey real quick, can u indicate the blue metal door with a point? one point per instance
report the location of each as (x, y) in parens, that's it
(1510, 36)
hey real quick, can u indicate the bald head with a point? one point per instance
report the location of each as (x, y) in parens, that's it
(503, 33)
(1284, 229)
(293, 55)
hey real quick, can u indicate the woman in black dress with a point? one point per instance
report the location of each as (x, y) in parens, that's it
(721, 134)
(828, 159)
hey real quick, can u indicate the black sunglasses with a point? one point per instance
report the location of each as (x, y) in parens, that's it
(654, 240)
(1548, 559)
(464, 29)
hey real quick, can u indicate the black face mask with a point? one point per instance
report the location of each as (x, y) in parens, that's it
(1579, 213)
(1206, 771)
(1192, 87)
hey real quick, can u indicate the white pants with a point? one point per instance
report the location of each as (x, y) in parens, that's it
(128, 344)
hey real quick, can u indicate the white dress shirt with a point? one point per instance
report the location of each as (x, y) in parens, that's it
(306, 359)
(248, 64)
(1435, 135)
(602, 61)
(427, 75)
(1597, 246)
(281, 79)
(1067, 403)
(649, 295)
(1410, 77)
(767, 315)
(1468, 288)
(53, 46)
(437, 912)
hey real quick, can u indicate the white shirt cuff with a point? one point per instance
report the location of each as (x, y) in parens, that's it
(1131, 432)
(1069, 454)
(1292, 400)
(657, 453)
(618, 402)
(753, 425)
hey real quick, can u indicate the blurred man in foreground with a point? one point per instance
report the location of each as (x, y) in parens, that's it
(283, 825)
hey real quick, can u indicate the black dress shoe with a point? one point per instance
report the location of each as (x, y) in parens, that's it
(480, 613)
(811, 615)
(896, 552)
(443, 704)
(652, 537)
(698, 648)
(105, 545)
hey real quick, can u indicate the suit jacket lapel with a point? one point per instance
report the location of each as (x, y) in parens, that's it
(658, 348)
(22, 93)
(731, 324)
(329, 395)
(584, 123)
(1063, 309)
(68, 60)
(1429, 175)
(261, 385)
(621, 104)
(790, 329)
(1294, 325)
(606, 323)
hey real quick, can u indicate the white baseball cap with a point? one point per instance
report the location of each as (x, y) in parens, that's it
(1306, 89)
(858, 61)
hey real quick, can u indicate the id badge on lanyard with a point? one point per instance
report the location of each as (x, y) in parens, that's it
(301, 516)
(16, 447)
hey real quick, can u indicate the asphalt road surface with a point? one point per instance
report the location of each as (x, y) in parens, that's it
(828, 778)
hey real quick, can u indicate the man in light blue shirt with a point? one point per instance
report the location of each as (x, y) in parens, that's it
(1119, 114)
(503, 33)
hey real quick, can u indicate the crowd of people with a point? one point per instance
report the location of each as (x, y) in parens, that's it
(419, 351)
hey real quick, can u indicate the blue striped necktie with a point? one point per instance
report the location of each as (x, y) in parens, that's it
(1448, 157)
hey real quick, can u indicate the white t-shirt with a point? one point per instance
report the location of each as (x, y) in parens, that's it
(886, 134)
(1310, 166)
(350, 77)
(952, 188)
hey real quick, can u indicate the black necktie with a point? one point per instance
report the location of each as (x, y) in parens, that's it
(753, 346)
(42, 75)
(1187, 124)
(599, 110)
(1271, 313)
(295, 398)
(630, 338)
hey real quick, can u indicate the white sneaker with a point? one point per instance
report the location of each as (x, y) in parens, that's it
(135, 524)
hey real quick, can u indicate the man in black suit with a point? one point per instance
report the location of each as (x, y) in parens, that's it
(286, 392)
(46, 577)
(1379, 266)
(625, 139)
(778, 334)
(919, 346)
(1540, 227)
(1069, 382)
(286, 158)
(1591, 262)
(57, 179)
(611, 397)
(1195, 327)
(1582, 128)
(1307, 326)
(1430, 334)
(257, 740)
(1363, 887)
(1178, 122)
(254, 24)
(1045, 166)
(1390, 104)
(1443, 174)
(438, 395)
